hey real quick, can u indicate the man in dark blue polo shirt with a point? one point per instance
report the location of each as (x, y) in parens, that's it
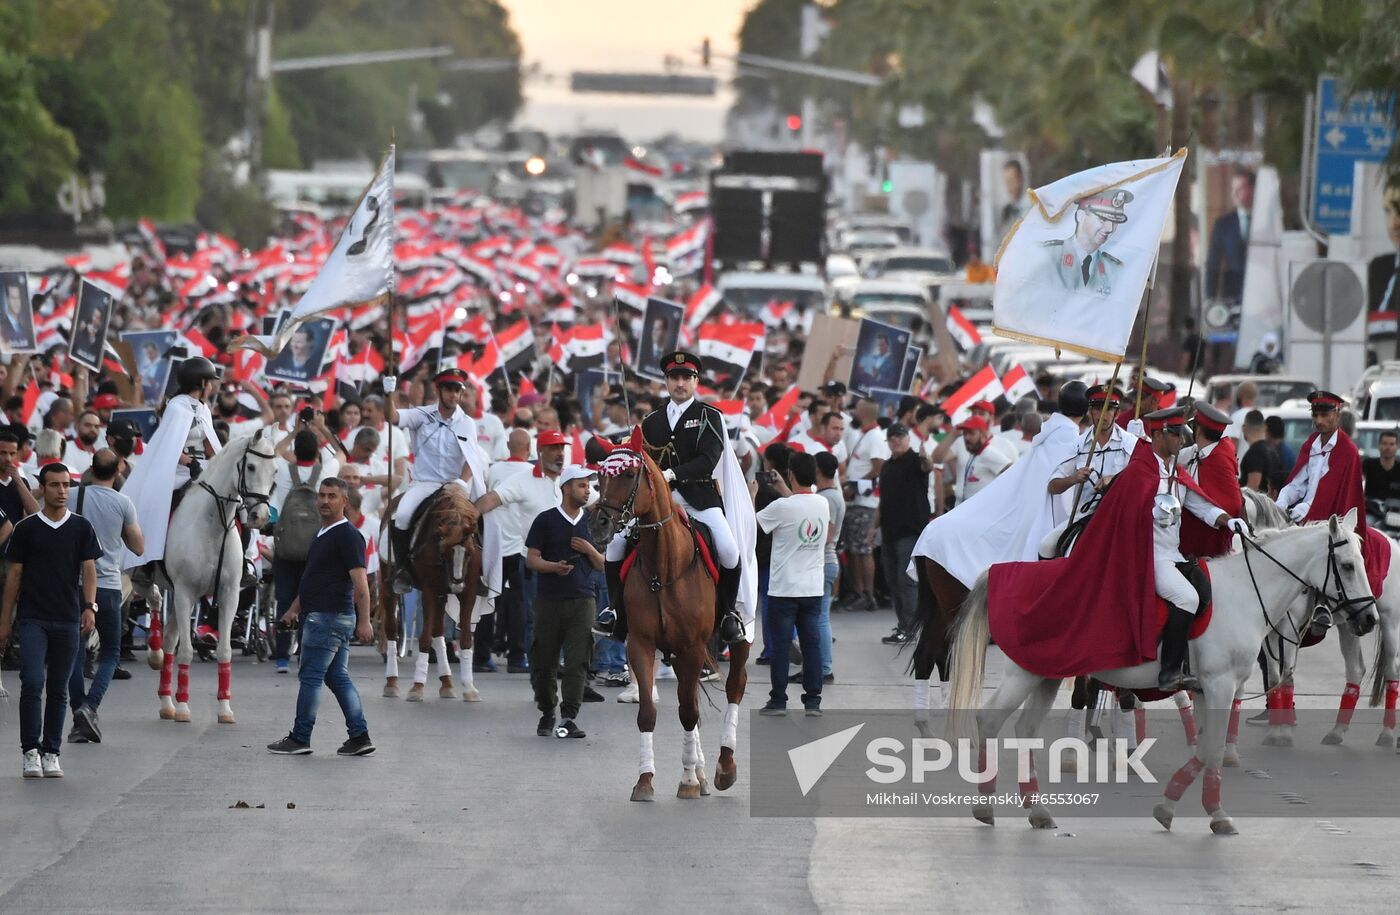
(559, 552)
(334, 600)
(52, 555)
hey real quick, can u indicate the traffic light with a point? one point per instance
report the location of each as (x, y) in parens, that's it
(887, 186)
(794, 122)
(705, 53)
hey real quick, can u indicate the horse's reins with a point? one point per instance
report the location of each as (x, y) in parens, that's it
(228, 505)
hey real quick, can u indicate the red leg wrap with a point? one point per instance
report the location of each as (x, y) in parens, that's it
(154, 637)
(1183, 779)
(167, 671)
(225, 674)
(1290, 713)
(1348, 704)
(182, 684)
(1392, 690)
(1274, 700)
(1232, 734)
(1188, 724)
(1210, 791)
(1140, 723)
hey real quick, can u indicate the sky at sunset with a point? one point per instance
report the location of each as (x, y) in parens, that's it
(623, 35)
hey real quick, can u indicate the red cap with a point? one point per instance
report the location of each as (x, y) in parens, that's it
(985, 406)
(976, 423)
(450, 376)
(549, 437)
(105, 402)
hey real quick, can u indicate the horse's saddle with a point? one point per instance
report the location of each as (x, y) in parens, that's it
(704, 546)
(419, 530)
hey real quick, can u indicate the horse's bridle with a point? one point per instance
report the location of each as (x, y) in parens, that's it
(243, 497)
(1349, 607)
(624, 511)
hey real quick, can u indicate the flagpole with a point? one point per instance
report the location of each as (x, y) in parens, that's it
(1093, 447)
(505, 369)
(386, 576)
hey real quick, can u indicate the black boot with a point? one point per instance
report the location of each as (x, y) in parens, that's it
(402, 542)
(612, 622)
(1175, 638)
(731, 627)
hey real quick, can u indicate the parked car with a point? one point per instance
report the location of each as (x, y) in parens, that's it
(749, 292)
(1274, 390)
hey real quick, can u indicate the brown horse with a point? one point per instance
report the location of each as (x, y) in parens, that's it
(669, 599)
(940, 597)
(446, 562)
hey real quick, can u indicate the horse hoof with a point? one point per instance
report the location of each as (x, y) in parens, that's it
(1222, 825)
(1386, 740)
(446, 692)
(704, 782)
(984, 815)
(155, 660)
(391, 692)
(1041, 820)
(1164, 815)
(1283, 740)
(688, 792)
(226, 718)
(725, 778)
(416, 693)
(167, 714)
(643, 793)
(183, 717)
(1332, 738)
(471, 694)
(1231, 760)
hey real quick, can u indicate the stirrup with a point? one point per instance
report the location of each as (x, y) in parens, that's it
(403, 582)
(1322, 619)
(731, 628)
(606, 623)
(1177, 680)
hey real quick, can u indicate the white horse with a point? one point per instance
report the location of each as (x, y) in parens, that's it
(1283, 564)
(1281, 653)
(204, 555)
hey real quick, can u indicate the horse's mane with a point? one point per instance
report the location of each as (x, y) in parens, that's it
(1266, 510)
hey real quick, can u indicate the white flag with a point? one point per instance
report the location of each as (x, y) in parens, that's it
(360, 268)
(1072, 271)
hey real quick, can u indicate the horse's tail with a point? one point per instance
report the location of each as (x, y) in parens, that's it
(925, 624)
(970, 641)
(1382, 663)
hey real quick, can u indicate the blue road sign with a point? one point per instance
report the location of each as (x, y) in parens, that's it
(1359, 131)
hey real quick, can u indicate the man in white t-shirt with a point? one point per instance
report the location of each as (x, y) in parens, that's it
(797, 522)
(868, 454)
(490, 431)
(514, 503)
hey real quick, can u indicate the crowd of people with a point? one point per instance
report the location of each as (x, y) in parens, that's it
(422, 392)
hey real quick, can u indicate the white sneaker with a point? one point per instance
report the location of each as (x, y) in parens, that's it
(32, 767)
(664, 672)
(631, 693)
(51, 767)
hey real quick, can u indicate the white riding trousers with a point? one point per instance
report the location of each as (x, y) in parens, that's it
(1173, 587)
(413, 497)
(726, 548)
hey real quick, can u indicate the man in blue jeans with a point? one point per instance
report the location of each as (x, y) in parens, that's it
(798, 521)
(50, 554)
(334, 597)
(113, 519)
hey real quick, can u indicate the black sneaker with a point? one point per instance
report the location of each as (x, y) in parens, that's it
(813, 712)
(519, 667)
(898, 637)
(75, 737)
(620, 679)
(708, 674)
(356, 746)
(1258, 720)
(763, 662)
(121, 673)
(591, 695)
(545, 727)
(773, 711)
(828, 678)
(567, 728)
(85, 725)
(289, 746)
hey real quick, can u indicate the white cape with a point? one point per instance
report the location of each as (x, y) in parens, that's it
(491, 536)
(152, 481)
(1006, 521)
(739, 515)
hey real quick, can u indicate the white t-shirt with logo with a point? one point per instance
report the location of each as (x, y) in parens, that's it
(869, 446)
(798, 525)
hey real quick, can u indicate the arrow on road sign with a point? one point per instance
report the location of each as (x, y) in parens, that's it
(1336, 136)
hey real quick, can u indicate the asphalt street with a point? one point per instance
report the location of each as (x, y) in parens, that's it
(463, 808)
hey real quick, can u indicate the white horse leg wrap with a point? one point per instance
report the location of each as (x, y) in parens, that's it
(444, 667)
(690, 756)
(391, 658)
(942, 695)
(420, 668)
(699, 751)
(464, 658)
(921, 695)
(646, 759)
(1074, 723)
(729, 736)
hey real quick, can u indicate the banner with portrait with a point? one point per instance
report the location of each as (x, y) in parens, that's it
(301, 360)
(16, 314)
(90, 322)
(151, 351)
(879, 356)
(1072, 271)
(661, 331)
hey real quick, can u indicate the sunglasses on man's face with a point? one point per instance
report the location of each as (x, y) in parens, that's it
(1175, 430)
(1323, 411)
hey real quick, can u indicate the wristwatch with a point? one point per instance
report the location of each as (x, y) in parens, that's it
(91, 605)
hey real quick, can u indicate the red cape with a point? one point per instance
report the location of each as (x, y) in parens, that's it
(1218, 475)
(1339, 491)
(1055, 618)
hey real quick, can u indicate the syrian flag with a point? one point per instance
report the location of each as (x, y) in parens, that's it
(776, 312)
(516, 344)
(699, 306)
(963, 330)
(147, 230)
(983, 386)
(423, 335)
(691, 200)
(728, 349)
(632, 295)
(483, 366)
(362, 369)
(359, 269)
(559, 347)
(639, 172)
(587, 347)
(1017, 383)
(1083, 294)
(778, 413)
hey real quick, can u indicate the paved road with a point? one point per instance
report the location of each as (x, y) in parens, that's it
(464, 808)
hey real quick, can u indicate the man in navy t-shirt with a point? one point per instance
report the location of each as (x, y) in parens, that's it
(52, 556)
(333, 600)
(559, 552)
